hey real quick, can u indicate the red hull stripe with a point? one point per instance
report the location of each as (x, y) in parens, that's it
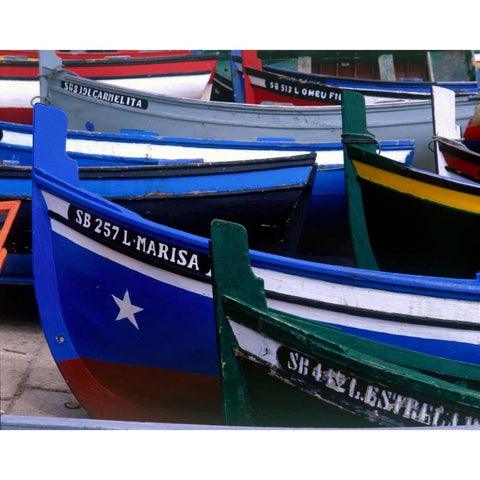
(17, 115)
(90, 55)
(463, 166)
(24, 72)
(120, 70)
(113, 391)
(266, 96)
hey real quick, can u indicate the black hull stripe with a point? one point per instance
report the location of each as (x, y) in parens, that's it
(459, 152)
(120, 61)
(364, 313)
(199, 195)
(147, 259)
(189, 169)
(123, 77)
(309, 84)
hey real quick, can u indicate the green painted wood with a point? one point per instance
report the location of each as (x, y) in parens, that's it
(354, 128)
(239, 295)
(380, 361)
(232, 275)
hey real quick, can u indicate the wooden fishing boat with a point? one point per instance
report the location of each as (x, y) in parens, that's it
(286, 371)
(403, 219)
(455, 157)
(184, 75)
(127, 310)
(8, 212)
(270, 84)
(459, 158)
(270, 195)
(326, 211)
(91, 106)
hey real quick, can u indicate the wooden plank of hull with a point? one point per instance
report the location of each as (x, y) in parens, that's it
(319, 375)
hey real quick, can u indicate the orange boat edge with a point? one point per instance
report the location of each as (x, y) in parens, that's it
(8, 212)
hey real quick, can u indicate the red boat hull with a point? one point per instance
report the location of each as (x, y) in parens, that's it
(461, 159)
(116, 67)
(17, 115)
(113, 391)
(177, 74)
(93, 54)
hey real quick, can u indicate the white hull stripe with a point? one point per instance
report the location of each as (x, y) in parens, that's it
(19, 93)
(173, 152)
(370, 299)
(399, 303)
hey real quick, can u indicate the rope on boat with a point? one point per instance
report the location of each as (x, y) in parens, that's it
(46, 99)
(36, 97)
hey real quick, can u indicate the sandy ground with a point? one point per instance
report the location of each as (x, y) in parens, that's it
(30, 383)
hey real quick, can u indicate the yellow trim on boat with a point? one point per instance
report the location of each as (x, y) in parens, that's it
(417, 188)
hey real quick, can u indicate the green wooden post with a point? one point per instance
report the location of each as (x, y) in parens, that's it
(354, 127)
(232, 276)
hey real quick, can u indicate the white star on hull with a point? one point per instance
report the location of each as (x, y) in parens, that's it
(127, 309)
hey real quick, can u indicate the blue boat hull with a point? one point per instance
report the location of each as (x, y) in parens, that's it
(129, 316)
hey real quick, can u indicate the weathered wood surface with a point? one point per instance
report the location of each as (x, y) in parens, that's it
(332, 374)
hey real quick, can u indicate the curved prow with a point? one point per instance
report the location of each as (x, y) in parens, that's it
(48, 61)
(232, 278)
(354, 121)
(249, 59)
(232, 273)
(356, 134)
(49, 143)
